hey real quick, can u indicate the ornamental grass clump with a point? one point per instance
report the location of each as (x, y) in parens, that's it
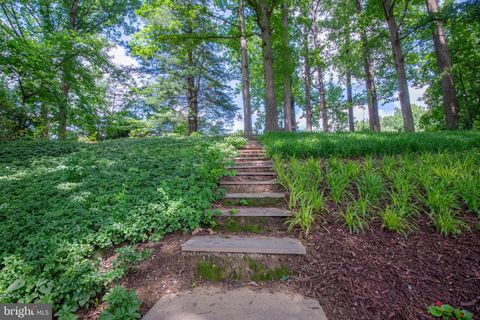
(302, 179)
(356, 215)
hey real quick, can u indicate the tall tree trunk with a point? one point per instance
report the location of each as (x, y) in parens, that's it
(306, 57)
(192, 97)
(264, 12)
(399, 61)
(323, 102)
(294, 117)
(192, 105)
(351, 123)
(372, 100)
(444, 64)
(62, 112)
(287, 77)
(247, 107)
(348, 75)
(44, 119)
(65, 87)
(321, 85)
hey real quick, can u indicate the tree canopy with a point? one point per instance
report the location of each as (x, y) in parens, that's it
(306, 65)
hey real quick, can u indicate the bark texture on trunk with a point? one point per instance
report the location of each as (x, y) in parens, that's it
(323, 102)
(287, 77)
(264, 12)
(351, 123)
(192, 105)
(321, 85)
(348, 75)
(399, 61)
(192, 99)
(62, 112)
(447, 82)
(372, 100)
(63, 108)
(308, 105)
(294, 117)
(45, 124)
(247, 107)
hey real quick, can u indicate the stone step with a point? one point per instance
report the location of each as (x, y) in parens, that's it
(252, 148)
(253, 169)
(250, 166)
(251, 155)
(250, 151)
(254, 212)
(252, 188)
(261, 195)
(260, 158)
(234, 244)
(255, 173)
(247, 182)
(249, 178)
(212, 303)
(254, 163)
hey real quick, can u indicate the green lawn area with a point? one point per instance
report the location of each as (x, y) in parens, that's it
(63, 203)
(397, 179)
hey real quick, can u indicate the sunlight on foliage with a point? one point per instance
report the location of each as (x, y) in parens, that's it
(72, 199)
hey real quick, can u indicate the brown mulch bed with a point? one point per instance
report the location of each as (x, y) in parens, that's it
(382, 275)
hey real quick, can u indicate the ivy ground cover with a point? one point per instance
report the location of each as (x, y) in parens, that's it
(63, 203)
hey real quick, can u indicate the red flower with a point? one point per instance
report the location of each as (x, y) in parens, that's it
(438, 303)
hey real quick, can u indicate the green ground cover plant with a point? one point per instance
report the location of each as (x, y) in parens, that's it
(121, 304)
(64, 203)
(393, 188)
(361, 144)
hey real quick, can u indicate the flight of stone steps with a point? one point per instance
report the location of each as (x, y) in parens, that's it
(254, 183)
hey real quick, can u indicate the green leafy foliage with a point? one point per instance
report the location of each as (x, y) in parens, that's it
(447, 312)
(63, 201)
(121, 304)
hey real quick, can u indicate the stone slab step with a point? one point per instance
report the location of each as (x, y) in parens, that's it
(254, 173)
(261, 195)
(251, 155)
(250, 151)
(254, 212)
(259, 158)
(256, 164)
(211, 303)
(250, 166)
(238, 183)
(234, 244)
(252, 148)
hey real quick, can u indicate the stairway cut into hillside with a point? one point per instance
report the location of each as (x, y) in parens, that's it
(252, 192)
